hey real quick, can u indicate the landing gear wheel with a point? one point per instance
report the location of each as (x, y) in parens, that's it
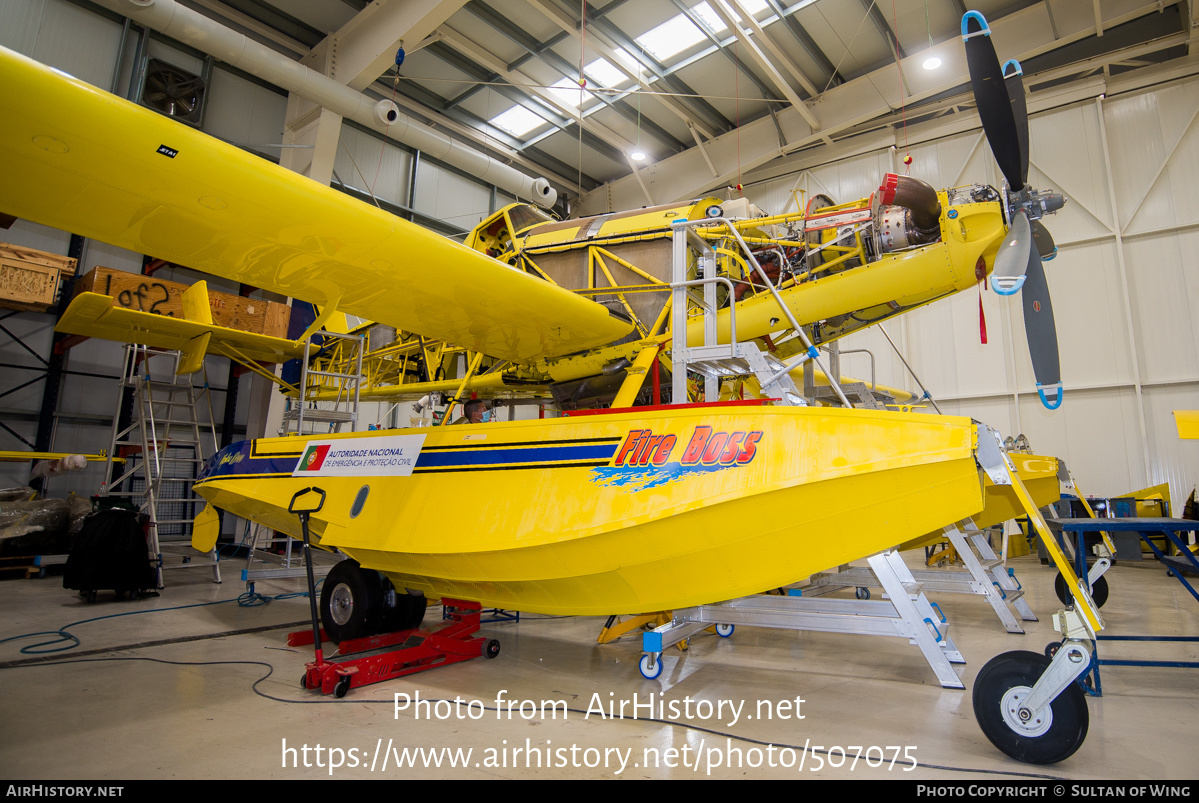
(407, 614)
(351, 602)
(491, 649)
(646, 672)
(1045, 738)
(862, 593)
(1098, 591)
(724, 631)
(342, 687)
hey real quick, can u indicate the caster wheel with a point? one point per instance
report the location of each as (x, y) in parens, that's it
(1098, 591)
(646, 672)
(342, 688)
(1050, 736)
(304, 681)
(724, 631)
(862, 593)
(491, 649)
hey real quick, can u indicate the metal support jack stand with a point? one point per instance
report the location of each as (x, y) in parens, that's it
(983, 575)
(903, 612)
(417, 651)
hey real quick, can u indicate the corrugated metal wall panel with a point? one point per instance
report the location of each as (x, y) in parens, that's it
(244, 113)
(370, 164)
(63, 35)
(1164, 307)
(449, 196)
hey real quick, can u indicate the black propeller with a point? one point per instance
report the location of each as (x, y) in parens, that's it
(999, 93)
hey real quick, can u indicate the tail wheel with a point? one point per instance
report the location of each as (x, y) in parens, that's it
(351, 602)
(1098, 591)
(1047, 737)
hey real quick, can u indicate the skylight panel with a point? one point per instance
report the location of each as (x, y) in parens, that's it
(568, 92)
(602, 71)
(671, 37)
(517, 121)
(710, 17)
(713, 20)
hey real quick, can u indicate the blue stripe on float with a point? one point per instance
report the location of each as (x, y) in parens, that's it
(540, 454)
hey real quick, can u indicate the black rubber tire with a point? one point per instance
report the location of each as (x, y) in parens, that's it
(491, 649)
(1098, 591)
(304, 681)
(1066, 732)
(351, 602)
(342, 687)
(407, 614)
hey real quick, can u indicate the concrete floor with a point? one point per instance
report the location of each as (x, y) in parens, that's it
(219, 696)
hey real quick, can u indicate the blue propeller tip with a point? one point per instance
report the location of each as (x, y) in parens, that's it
(984, 29)
(1011, 290)
(1054, 390)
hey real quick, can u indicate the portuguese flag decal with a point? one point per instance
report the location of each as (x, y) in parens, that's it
(313, 458)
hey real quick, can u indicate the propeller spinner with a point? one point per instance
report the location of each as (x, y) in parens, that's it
(999, 93)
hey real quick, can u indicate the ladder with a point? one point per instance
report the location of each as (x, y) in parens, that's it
(164, 445)
(904, 612)
(330, 384)
(984, 575)
(715, 361)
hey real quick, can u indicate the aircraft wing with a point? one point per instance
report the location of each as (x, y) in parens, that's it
(93, 315)
(79, 159)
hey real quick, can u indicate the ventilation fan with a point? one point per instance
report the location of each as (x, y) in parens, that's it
(174, 92)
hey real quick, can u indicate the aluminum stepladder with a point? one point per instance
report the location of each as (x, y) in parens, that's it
(904, 612)
(164, 447)
(983, 575)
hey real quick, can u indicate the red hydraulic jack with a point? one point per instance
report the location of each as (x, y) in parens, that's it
(417, 650)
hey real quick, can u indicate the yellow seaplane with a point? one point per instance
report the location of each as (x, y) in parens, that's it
(624, 509)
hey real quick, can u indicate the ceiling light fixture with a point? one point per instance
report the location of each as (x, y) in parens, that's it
(637, 155)
(933, 61)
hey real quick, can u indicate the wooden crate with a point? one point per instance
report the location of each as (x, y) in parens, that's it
(149, 294)
(29, 278)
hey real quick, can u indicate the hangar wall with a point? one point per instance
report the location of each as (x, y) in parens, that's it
(1125, 287)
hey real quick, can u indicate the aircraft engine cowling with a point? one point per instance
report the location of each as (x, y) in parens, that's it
(908, 213)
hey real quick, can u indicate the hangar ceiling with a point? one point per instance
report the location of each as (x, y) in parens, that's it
(706, 91)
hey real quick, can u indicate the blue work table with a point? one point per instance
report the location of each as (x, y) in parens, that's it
(1173, 530)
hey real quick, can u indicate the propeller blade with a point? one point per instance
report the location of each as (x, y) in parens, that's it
(1041, 333)
(1044, 240)
(994, 100)
(1013, 259)
(1013, 80)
